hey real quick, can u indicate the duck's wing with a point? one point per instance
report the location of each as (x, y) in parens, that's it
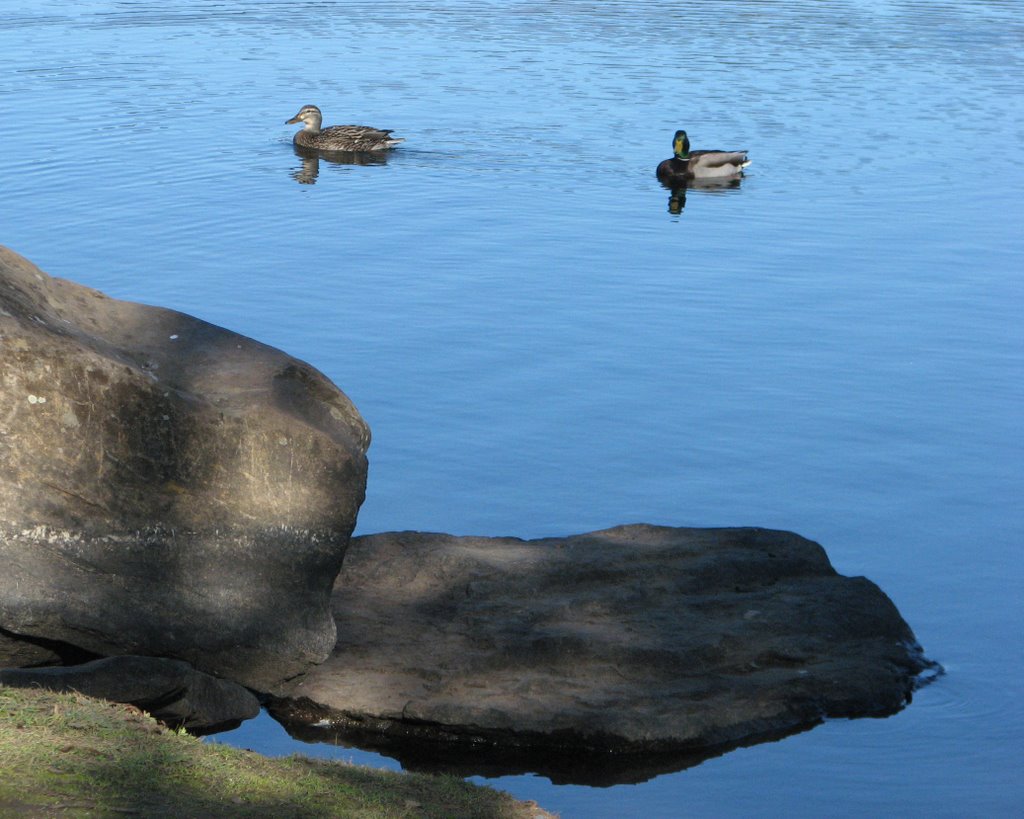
(718, 159)
(356, 138)
(356, 132)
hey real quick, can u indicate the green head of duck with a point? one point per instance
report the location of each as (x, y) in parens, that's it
(681, 145)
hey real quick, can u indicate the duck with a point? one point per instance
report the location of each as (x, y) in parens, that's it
(688, 165)
(339, 137)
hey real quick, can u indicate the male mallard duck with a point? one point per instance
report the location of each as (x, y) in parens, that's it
(339, 137)
(688, 165)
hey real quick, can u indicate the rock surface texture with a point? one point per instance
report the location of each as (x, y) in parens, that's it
(167, 487)
(638, 640)
(171, 690)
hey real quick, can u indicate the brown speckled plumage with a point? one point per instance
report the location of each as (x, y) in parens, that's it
(339, 137)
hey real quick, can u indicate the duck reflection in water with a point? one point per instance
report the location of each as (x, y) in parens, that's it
(708, 170)
(307, 173)
(677, 193)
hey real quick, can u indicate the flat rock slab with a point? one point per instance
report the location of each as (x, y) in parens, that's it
(171, 690)
(637, 640)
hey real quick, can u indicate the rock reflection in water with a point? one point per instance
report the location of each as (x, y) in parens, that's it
(466, 756)
(309, 170)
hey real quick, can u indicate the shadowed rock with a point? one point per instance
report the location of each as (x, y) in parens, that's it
(639, 640)
(171, 690)
(167, 487)
(18, 651)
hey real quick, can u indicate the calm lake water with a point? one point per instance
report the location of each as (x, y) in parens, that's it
(542, 348)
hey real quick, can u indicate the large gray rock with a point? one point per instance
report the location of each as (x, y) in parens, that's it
(171, 690)
(638, 640)
(167, 487)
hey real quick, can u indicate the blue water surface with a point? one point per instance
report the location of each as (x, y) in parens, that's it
(541, 348)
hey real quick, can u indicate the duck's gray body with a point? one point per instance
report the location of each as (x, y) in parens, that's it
(688, 165)
(339, 137)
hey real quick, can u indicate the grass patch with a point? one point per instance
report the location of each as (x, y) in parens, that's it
(69, 755)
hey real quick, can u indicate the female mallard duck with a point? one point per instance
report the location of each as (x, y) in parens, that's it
(688, 165)
(339, 137)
